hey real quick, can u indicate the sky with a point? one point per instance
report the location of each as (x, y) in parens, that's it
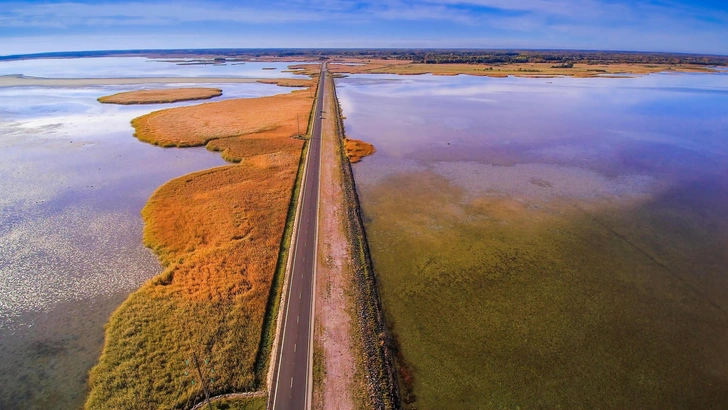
(698, 26)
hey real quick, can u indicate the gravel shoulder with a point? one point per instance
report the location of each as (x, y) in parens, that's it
(334, 304)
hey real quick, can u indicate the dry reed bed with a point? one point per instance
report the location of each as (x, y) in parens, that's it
(218, 234)
(356, 149)
(536, 70)
(363, 66)
(380, 390)
(288, 82)
(200, 124)
(160, 96)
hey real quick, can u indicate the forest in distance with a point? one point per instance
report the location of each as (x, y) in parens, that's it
(426, 56)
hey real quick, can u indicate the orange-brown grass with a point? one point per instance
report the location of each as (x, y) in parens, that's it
(356, 149)
(288, 82)
(311, 69)
(197, 125)
(365, 66)
(218, 234)
(520, 70)
(236, 148)
(161, 96)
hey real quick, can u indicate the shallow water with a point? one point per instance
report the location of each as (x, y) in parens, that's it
(565, 238)
(73, 181)
(125, 67)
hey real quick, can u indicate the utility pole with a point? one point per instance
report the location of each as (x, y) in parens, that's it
(299, 126)
(204, 385)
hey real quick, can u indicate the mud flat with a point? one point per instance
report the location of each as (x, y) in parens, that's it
(538, 244)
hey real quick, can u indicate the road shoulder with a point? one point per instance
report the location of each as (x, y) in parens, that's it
(334, 358)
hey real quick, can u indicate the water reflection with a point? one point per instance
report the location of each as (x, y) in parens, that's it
(587, 122)
(126, 67)
(73, 181)
(565, 239)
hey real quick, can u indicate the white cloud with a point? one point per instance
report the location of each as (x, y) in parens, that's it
(139, 13)
(606, 24)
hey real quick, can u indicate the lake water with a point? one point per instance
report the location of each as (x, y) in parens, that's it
(126, 67)
(73, 181)
(549, 243)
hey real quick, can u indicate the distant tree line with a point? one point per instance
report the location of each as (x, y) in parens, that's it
(426, 56)
(559, 58)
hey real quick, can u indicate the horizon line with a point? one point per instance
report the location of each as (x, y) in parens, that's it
(249, 49)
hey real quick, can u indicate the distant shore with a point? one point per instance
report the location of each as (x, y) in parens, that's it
(160, 96)
(21, 80)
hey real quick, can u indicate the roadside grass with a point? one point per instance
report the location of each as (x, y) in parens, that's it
(499, 305)
(161, 96)
(218, 233)
(319, 368)
(234, 149)
(271, 315)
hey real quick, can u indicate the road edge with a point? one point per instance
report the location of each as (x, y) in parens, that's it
(273, 365)
(312, 323)
(376, 344)
(275, 355)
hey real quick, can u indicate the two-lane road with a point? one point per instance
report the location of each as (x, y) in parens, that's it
(292, 381)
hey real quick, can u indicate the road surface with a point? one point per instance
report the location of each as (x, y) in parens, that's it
(292, 383)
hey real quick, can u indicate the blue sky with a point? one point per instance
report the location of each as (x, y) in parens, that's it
(665, 25)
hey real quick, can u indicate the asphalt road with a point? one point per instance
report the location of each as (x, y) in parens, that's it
(291, 386)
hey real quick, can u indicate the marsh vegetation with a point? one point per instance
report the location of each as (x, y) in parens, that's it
(218, 233)
(161, 96)
(356, 149)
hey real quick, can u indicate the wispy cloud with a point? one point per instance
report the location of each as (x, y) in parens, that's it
(663, 25)
(143, 13)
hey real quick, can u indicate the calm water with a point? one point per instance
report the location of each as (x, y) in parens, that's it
(566, 239)
(73, 181)
(123, 67)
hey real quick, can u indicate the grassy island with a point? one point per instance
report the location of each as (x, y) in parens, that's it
(218, 234)
(161, 96)
(356, 149)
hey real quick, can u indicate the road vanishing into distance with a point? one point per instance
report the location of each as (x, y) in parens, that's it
(291, 388)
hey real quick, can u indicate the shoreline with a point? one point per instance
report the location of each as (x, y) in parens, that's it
(525, 70)
(183, 289)
(373, 336)
(21, 80)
